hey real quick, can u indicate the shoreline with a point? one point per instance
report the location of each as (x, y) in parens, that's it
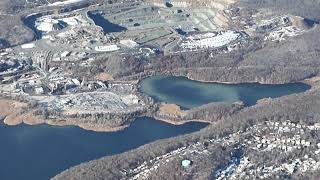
(13, 113)
(314, 81)
(85, 126)
(310, 81)
(182, 122)
(12, 116)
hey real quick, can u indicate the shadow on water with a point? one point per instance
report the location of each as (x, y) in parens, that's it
(189, 94)
(106, 25)
(181, 32)
(42, 151)
(30, 23)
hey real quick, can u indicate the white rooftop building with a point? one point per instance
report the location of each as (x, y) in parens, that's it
(186, 163)
(107, 48)
(210, 40)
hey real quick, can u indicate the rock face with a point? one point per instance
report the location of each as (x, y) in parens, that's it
(217, 4)
(215, 7)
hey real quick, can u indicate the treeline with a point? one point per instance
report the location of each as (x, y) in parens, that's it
(273, 63)
(284, 62)
(212, 112)
(13, 32)
(309, 9)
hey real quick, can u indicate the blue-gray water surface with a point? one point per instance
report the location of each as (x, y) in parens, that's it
(188, 93)
(42, 151)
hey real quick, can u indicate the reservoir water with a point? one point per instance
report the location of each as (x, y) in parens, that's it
(42, 151)
(188, 93)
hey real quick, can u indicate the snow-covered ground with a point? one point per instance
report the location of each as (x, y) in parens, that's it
(28, 46)
(49, 23)
(46, 24)
(129, 43)
(210, 40)
(73, 21)
(63, 3)
(280, 34)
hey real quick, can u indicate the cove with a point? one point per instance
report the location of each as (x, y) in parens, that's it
(42, 151)
(188, 93)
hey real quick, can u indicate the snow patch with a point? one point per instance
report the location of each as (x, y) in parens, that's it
(129, 43)
(280, 34)
(47, 24)
(28, 46)
(74, 20)
(210, 40)
(63, 3)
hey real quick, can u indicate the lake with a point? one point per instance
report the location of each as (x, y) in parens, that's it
(188, 93)
(42, 151)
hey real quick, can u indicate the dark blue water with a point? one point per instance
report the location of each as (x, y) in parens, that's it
(30, 23)
(188, 93)
(310, 22)
(40, 152)
(181, 32)
(106, 25)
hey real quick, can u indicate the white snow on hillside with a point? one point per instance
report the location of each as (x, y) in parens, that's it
(129, 43)
(280, 34)
(46, 24)
(73, 21)
(210, 40)
(62, 3)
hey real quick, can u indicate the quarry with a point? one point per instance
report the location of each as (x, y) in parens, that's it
(32, 71)
(60, 72)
